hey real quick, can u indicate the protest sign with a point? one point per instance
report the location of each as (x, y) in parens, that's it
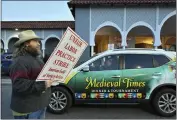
(63, 58)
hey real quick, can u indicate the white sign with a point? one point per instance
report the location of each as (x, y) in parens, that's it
(110, 46)
(63, 58)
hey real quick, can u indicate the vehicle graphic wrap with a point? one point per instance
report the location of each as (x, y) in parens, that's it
(132, 84)
(70, 76)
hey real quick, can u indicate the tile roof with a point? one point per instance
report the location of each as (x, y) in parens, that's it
(91, 2)
(37, 24)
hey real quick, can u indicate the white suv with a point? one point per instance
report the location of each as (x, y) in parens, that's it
(121, 76)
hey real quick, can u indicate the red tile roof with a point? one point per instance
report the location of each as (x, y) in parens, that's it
(37, 24)
(91, 2)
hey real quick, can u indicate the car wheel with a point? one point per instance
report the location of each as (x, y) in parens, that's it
(61, 100)
(164, 102)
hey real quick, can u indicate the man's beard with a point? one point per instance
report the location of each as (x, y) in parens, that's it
(33, 51)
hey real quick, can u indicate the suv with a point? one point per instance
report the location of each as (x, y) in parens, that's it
(121, 76)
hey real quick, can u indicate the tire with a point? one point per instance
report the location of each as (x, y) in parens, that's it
(159, 97)
(66, 98)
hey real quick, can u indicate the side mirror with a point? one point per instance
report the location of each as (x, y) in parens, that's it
(86, 68)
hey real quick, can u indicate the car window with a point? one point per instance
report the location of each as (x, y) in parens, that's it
(138, 61)
(9, 57)
(160, 60)
(110, 62)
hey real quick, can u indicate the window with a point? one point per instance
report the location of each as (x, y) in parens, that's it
(138, 61)
(9, 57)
(160, 60)
(110, 62)
(172, 48)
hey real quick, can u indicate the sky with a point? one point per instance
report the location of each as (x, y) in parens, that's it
(36, 11)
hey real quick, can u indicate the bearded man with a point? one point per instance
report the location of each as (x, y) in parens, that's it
(29, 97)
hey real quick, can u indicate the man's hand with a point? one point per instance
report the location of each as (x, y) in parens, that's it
(48, 83)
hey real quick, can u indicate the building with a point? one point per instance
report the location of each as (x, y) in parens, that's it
(50, 31)
(107, 24)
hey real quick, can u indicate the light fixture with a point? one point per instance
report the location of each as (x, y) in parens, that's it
(16, 29)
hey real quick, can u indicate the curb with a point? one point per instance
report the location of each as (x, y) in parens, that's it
(5, 81)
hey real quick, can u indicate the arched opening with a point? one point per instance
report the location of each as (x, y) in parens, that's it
(40, 45)
(140, 37)
(50, 45)
(11, 43)
(168, 34)
(2, 46)
(107, 37)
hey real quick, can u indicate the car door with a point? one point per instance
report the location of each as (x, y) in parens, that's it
(96, 83)
(138, 75)
(169, 70)
(112, 77)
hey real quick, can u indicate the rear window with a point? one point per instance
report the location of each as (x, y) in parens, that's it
(160, 60)
(138, 61)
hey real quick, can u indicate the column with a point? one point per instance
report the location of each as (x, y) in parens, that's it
(124, 35)
(124, 41)
(5, 46)
(92, 42)
(43, 48)
(5, 50)
(157, 41)
(92, 50)
(43, 52)
(5, 42)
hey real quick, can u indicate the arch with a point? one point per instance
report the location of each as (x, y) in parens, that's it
(50, 45)
(166, 18)
(164, 27)
(11, 43)
(147, 43)
(2, 44)
(107, 23)
(140, 23)
(51, 36)
(12, 36)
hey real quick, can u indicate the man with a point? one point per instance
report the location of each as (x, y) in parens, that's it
(110, 64)
(29, 97)
(96, 65)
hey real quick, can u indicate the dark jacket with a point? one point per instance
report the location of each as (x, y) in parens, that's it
(28, 95)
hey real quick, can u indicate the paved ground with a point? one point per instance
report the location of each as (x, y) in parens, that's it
(107, 112)
(85, 111)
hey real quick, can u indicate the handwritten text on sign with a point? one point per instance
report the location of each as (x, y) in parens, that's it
(64, 57)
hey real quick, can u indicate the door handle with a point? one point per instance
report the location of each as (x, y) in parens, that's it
(157, 74)
(116, 76)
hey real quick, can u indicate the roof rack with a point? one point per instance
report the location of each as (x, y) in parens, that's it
(150, 49)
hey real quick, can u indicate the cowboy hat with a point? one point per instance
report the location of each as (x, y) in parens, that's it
(26, 36)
